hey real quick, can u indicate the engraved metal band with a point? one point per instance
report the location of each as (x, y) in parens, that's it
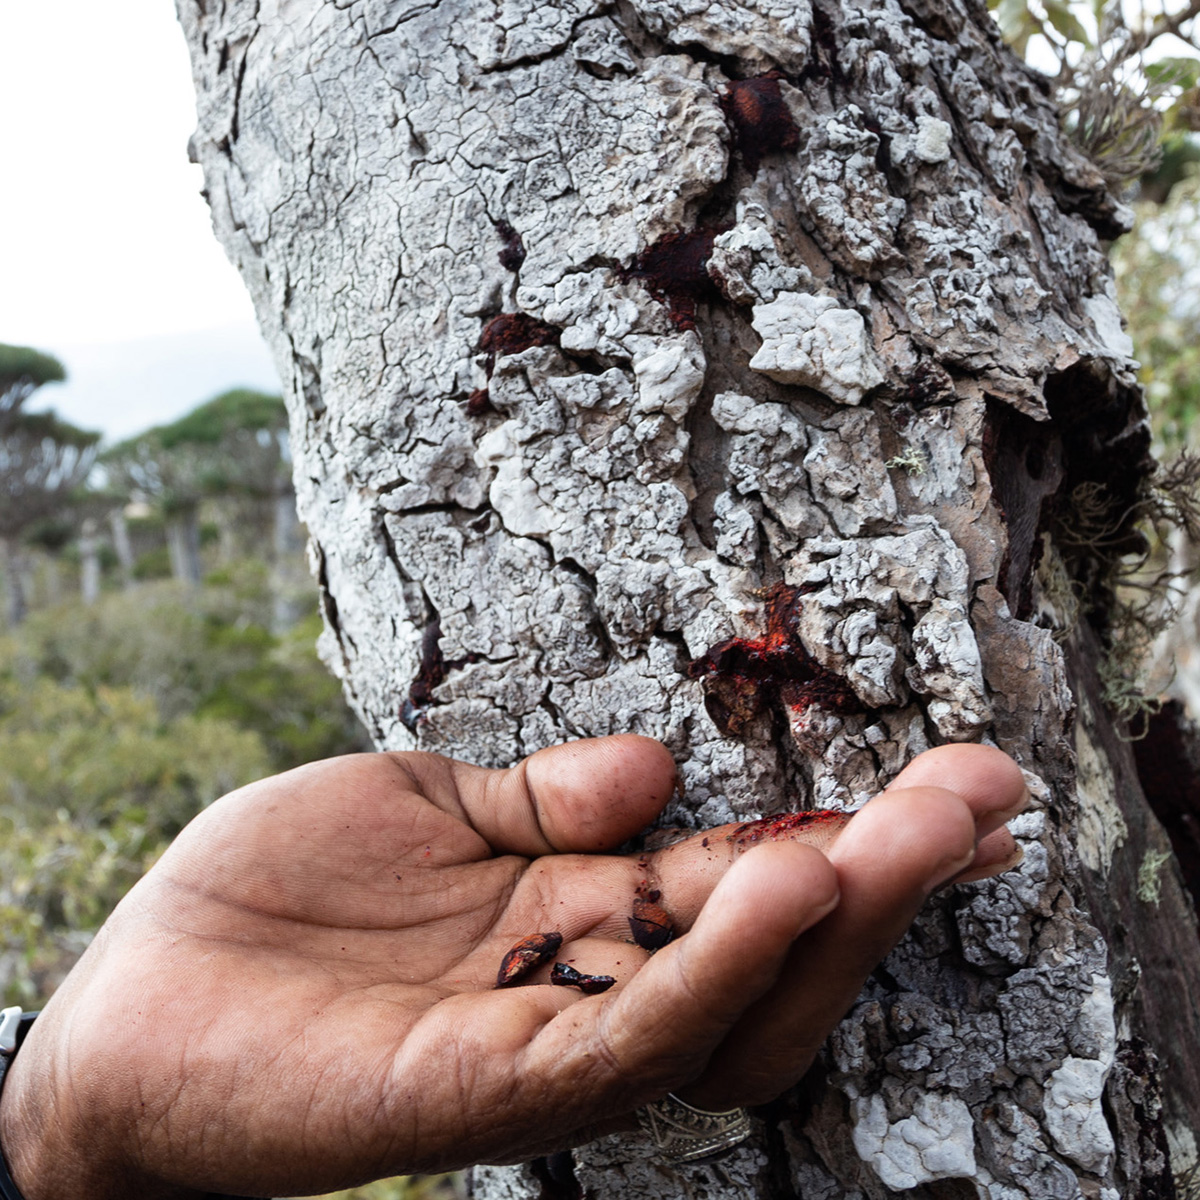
(684, 1134)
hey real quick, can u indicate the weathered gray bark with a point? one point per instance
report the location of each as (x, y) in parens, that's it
(122, 544)
(183, 545)
(846, 328)
(89, 562)
(16, 584)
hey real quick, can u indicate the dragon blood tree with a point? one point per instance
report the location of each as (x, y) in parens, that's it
(729, 373)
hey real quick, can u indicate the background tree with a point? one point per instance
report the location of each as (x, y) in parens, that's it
(42, 460)
(233, 447)
(749, 377)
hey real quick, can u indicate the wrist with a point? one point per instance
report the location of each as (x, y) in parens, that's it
(49, 1151)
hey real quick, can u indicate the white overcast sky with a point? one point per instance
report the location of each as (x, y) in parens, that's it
(107, 257)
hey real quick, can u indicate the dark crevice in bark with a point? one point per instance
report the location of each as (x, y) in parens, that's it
(556, 1175)
(1168, 767)
(1151, 945)
(777, 1177)
(432, 667)
(728, 64)
(557, 716)
(310, 385)
(1133, 1103)
(329, 607)
(823, 65)
(235, 115)
(1106, 453)
(1079, 476)
(1024, 464)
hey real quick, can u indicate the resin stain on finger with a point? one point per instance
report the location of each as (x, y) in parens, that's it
(815, 827)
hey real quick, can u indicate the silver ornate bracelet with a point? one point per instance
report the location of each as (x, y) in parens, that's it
(684, 1134)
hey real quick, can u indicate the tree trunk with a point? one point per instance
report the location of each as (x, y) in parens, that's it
(122, 545)
(613, 332)
(89, 570)
(15, 581)
(183, 545)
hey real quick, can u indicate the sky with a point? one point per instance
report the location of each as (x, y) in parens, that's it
(107, 256)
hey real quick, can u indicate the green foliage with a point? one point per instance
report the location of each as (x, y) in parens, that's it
(1158, 280)
(1116, 99)
(101, 752)
(48, 426)
(118, 723)
(93, 784)
(239, 410)
(236, 442)
(209, 653)
(410, 1187)
(154, 564)
(23, 363)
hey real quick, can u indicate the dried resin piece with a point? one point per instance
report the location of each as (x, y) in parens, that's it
(650, 924)
(590, 985)
(526, 956)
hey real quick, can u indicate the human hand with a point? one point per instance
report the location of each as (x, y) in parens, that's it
(300, 995)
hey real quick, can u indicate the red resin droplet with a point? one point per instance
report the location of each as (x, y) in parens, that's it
(761, 121)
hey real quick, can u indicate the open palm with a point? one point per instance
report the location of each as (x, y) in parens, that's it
(301, 994)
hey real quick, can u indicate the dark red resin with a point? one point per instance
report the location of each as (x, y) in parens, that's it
(650, 924)
(591, 985)
(761, 121)
(782, 824)
(526, 956)
(744, 677)
(674, 269)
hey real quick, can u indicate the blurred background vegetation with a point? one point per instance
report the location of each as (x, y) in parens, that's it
(158, 622)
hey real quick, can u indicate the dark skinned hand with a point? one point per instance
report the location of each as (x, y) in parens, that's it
(300, 995)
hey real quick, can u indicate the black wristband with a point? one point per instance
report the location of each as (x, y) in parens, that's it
(14, 1025)
(13, 1029)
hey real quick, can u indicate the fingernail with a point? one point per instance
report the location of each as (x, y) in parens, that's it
(948, 869)
(997, 817)
(989, 870)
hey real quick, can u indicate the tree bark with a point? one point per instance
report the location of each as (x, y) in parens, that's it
(122, 545)
(15, 581)
(183, 545)
(611, 332)
(89, 565)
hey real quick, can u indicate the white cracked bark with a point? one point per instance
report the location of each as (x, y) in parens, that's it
(810, 309)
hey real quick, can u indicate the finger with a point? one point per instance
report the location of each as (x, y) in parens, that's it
(996, 853)
(986, 778)
(586, 796)
(890, 856)
(593, 897)
(685, 873)
(659, 1031)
